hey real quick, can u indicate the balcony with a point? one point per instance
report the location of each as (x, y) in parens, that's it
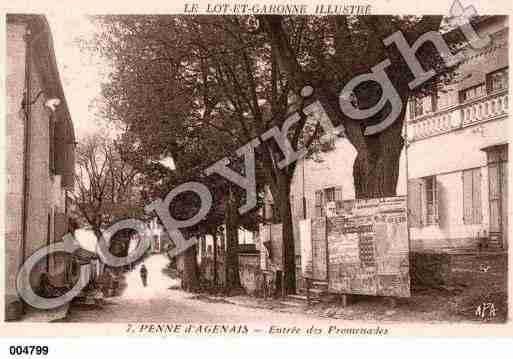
(489, 107)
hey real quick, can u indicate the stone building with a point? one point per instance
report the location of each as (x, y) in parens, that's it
(40, 154)
(455, 169)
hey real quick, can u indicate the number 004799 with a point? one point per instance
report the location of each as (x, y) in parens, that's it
(28, 350)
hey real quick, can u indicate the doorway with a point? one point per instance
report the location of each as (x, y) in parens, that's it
(497, 159)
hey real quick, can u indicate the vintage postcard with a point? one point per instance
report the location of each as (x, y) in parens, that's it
(242, 168)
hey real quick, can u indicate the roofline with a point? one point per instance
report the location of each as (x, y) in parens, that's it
(478, 21)
(38, 25)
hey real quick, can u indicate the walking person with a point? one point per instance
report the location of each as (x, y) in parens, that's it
(144, 275)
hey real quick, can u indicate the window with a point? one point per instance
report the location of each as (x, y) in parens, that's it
(497, 80)
(423, 201)
(330, 194)
(324, 196)
(497, 155)
(411, 109)
(429, 103)
(445, 98)
(472, 93)
(431, 200)
(472, 213)
(417, 107)
(423, 105)
(319, 203)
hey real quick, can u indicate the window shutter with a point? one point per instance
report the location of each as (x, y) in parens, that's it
(476, 196)
(414, 203)
(423, 202)
(435, 201)
(318, 203)
(64, 149)
(504, 199)
(467, 196)
(441, 216)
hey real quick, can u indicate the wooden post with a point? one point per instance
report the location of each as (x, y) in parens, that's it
(214, 247)
(283, 284)
(343, 300)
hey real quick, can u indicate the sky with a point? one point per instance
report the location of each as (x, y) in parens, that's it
(81, 72)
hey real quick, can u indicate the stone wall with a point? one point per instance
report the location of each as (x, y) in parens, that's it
(15, 70)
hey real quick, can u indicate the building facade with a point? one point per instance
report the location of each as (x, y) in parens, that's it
(458, 152)
(39, 152)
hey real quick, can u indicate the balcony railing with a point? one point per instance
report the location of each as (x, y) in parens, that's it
(465, 114)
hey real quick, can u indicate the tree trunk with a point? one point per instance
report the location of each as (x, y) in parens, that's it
(376, 171)
(289, 254)
(190, 270)
(232, 245)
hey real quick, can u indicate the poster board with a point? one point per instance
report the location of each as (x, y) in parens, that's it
(368, 250)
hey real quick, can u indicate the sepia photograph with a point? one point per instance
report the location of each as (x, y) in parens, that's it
(256, 169)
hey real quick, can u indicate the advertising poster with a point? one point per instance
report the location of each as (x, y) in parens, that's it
(368, 250)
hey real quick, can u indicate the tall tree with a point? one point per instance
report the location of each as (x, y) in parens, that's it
(159, 92)
(329, 52)
(246, 95)
(106, 187)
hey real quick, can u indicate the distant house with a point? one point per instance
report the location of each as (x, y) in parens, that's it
(158, 236)
(39, 152)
